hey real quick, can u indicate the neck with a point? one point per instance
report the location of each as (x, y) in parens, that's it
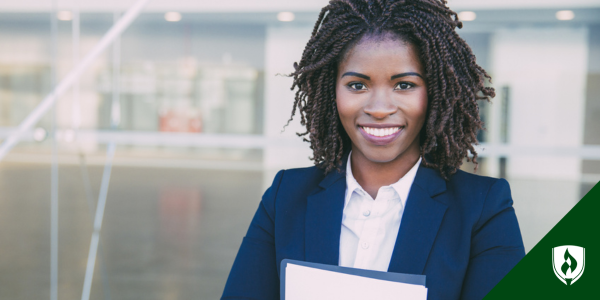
(373, 175)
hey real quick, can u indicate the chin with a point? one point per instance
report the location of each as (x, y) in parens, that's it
(379, 156)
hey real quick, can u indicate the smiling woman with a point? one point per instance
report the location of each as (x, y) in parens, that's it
(382, 105)
(388, 93)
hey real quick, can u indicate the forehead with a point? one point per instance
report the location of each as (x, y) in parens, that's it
(381, 53)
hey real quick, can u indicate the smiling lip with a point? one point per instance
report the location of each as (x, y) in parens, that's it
(380, 134)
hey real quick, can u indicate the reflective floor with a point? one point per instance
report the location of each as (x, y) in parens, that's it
(167, 233)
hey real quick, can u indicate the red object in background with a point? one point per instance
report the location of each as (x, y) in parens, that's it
(180, 121)
(179, 213)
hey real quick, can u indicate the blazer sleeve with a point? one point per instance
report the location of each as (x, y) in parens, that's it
(254, 272)
(496, 243)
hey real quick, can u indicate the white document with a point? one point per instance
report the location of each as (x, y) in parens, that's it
(306, 283)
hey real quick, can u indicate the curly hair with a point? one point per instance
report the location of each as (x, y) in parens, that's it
(454, 80)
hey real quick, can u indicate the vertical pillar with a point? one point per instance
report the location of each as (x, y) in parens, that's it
(545, 70)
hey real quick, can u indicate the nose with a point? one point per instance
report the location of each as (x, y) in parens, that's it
(380, 105)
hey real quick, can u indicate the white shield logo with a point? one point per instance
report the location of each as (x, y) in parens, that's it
(568, 263)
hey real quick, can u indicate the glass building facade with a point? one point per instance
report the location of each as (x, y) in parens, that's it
(196, 102)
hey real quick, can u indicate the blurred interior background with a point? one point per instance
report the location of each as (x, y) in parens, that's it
(193, 98)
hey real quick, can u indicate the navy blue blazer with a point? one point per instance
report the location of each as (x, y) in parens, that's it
(462, 233)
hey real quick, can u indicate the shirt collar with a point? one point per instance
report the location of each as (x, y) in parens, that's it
(402, 186)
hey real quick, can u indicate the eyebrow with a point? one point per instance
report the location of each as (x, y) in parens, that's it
(357, 75)
(407, 74)
(392, 78)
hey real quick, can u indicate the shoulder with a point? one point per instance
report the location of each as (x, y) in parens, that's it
(470, 185)
(461, 186)
(465, 178)
(295, 182)
(481, 197)
(303, 173)
(290, 189)
(299, 177)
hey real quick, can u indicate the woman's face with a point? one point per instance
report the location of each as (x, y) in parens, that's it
(382, 99)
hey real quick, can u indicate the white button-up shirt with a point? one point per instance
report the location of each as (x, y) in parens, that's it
(370, 227)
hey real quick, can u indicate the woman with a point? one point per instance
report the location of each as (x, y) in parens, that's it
(388, 93)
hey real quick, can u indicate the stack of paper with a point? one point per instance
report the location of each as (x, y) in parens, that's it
(303, 281)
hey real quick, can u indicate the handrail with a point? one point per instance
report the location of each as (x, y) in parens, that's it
(255, 141)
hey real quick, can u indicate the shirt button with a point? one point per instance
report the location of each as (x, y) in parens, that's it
(366, 213)
(365, 245)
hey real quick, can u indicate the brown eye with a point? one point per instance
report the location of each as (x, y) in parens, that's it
(357, 86)
(404, 86)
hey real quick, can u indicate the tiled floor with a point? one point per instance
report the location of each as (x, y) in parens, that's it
(167, 233)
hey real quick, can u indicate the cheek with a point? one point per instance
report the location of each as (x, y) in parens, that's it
(345, 116)
(345, 107)
(418, 109)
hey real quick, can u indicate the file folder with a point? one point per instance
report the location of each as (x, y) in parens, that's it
(335, 282)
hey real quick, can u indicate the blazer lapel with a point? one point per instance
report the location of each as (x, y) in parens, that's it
(324, 220)
(420, 223)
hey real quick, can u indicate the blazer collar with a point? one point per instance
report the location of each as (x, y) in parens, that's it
(420, 223)
(421, 220)
(324, 218)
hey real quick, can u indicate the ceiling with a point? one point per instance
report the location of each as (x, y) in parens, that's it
(264, 5)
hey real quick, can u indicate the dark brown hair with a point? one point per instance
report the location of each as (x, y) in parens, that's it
(454, 80)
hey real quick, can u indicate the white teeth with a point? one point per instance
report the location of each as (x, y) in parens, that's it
(381, 131)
